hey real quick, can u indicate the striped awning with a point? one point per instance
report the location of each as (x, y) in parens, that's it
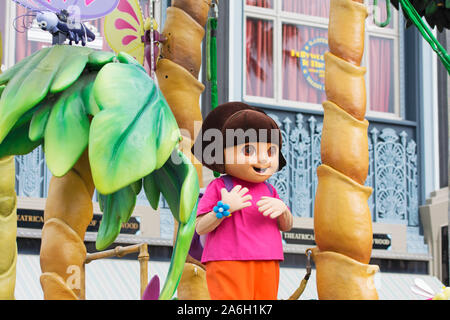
(106, 279)
(115, 279)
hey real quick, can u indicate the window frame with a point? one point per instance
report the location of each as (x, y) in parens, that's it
(279, 17)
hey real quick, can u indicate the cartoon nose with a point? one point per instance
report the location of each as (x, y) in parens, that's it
(263, 157)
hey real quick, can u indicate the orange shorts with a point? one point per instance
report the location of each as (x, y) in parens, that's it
(243, 280)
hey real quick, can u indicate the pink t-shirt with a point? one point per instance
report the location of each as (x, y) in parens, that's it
(247, 234)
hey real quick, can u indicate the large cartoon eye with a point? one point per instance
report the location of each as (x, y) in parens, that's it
(248, 150)
(43, 24)
(272, 151)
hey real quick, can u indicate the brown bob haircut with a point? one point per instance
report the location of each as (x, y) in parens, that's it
(236, 116)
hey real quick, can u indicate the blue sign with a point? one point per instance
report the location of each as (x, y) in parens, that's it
(312, 62)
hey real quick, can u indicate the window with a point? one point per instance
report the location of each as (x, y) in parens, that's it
(22, 43)
(284, 44)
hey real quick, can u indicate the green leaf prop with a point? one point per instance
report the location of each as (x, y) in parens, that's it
(117, 209)
(436, 12)
(10, 109)
(179, 255)
(134, 130)
(11, 72)
(152, 190)
(39, 120)
(137, 186)
(17, 142)
(32, 82)
(70, 70)
(124, 57)
(177, 180)
(98, 59)
(89, 100)
(67, 129)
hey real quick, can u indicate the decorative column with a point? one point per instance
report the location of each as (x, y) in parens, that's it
(68, 212)
(342, 218)
(8, 228)
(8, 221)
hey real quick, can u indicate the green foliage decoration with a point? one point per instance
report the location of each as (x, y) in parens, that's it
(69, 98)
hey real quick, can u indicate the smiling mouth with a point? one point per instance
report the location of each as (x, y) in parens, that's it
(260, 170)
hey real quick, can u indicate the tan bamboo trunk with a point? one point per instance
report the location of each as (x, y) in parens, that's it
(342, 218)
(8, 229)
(68, 212)
(8, 222)
(178, 69)
(177, 74)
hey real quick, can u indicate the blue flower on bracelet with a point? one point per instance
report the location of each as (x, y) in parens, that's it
(221, 210)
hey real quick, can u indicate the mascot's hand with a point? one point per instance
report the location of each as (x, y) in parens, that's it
(271, 207)
(236, 198)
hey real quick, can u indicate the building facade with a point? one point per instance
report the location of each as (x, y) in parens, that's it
(274, 61)
(271, 56)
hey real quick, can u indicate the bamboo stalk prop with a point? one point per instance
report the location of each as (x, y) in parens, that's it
(177, 71)
(67, 214)
(178, 68)
(342, 218)
(8, 221)
(8, 228)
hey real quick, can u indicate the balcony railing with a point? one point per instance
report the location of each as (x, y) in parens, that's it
(392, 170)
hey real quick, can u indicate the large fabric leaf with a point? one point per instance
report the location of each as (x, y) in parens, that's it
(98, 59)
(67, 129)
(179, 255)
(128, 59)
(152, 190)
(177, 180)
(125, 142)
(39, 120)
(117, 209)
(71, 69)
(89, 100)
(137, 186)
(33, 81)
(436, 12)
(17, 142)
(11, 72)
(10, 108)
